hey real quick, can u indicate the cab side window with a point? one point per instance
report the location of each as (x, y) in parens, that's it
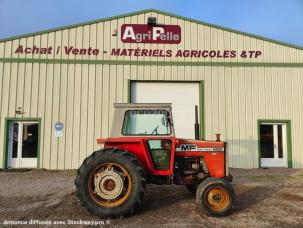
(160, 151)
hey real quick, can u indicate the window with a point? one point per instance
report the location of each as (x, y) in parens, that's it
(146, 122)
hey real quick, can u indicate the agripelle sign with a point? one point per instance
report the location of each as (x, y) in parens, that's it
(142, 34)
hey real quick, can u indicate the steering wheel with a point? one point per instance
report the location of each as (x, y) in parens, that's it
(155, 131)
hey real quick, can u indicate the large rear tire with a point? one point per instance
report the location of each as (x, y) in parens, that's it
(216, 196)
(110, 183)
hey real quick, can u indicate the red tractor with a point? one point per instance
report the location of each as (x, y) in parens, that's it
(143, 149)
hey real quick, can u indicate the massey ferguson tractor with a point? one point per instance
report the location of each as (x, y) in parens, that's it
(143, 149)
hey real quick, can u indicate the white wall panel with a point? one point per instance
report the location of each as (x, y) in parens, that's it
(71, 140)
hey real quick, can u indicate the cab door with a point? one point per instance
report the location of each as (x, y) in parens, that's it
(161, 151)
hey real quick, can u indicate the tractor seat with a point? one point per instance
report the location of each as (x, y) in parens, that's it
(161, 158)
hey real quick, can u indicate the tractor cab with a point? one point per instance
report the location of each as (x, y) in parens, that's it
(151, 125)
(147, 120)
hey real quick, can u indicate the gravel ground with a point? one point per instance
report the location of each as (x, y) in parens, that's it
(265, 197)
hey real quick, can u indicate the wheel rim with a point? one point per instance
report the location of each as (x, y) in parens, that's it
(217, 198)
(109, 184)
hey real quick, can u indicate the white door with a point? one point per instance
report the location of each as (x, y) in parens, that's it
(273, 145)
(23, 144)
(183, 96)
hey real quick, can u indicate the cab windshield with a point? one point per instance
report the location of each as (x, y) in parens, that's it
(146, 122)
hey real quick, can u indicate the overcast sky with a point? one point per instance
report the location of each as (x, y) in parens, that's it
(277, 19)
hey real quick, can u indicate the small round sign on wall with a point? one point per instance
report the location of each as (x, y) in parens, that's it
(59, 129)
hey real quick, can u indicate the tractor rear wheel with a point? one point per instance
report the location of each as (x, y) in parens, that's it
(216, 196)
(110, 183)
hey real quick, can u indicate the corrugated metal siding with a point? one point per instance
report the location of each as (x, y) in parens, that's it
(81, 96)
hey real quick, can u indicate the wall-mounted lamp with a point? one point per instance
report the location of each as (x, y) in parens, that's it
(19, 111)
(115, 32)
(152, 21)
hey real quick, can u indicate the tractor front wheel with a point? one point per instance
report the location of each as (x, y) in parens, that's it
(216, 196)
(110, 183)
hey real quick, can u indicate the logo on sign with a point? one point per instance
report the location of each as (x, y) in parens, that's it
(141, 33)
(185, 147)
(59, 126)
(194, 148)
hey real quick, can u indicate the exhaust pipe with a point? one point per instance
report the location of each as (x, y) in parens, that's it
(197, 126)
(218, 137)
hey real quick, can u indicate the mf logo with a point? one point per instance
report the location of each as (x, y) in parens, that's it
(187, 147)
(195, 148)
